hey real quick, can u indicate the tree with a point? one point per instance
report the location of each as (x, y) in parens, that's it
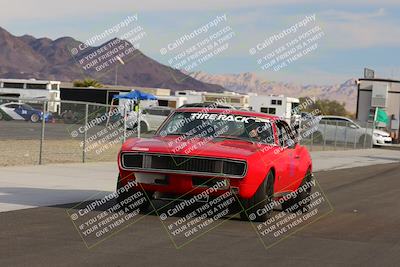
(87, 83)
(326, 107)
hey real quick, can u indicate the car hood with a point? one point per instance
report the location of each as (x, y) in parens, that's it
(380, 132)
(234, 149)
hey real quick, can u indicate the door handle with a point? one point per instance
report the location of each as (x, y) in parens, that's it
(297, 157)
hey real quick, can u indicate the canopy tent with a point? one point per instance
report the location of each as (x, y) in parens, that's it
(137, 96)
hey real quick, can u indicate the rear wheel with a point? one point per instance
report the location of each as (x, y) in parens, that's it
(35, 117)
(143, 127)
(255, 206)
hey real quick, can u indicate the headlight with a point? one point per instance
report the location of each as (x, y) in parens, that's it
(379, 135)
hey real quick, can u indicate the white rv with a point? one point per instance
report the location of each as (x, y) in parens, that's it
(32, 89)
(232, 99)
(282, 106)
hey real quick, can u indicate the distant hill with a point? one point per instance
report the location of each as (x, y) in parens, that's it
(250, 82)
(43, 58)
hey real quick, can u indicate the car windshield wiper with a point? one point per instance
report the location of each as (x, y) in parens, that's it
(172, 134)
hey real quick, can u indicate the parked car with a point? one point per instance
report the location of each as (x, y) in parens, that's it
(150, 119)
(21, 111)
(256, 155)
(343, 130)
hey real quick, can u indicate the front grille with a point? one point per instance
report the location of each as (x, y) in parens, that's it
(184, 164)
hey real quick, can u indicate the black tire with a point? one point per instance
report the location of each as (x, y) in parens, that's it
(262, 197)
(121, 197)
(143, 127)
(34, 118)
(301, 201)
(1, 115)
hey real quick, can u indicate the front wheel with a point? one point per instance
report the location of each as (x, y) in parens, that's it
(257, 208)
(301, 199)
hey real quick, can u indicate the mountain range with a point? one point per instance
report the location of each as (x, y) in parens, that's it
(43, 58)
(345, 92)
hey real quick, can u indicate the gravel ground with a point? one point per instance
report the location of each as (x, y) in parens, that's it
(26, 152)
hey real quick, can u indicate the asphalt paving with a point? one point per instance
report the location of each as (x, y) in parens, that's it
(362, 229)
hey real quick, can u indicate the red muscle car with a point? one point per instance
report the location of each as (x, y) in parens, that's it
(256, 154)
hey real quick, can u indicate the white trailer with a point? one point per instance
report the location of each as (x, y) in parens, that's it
(282, 106)
(32, 89)
(233, 99)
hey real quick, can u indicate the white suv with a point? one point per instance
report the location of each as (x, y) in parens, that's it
(342, 129)
(150, 118)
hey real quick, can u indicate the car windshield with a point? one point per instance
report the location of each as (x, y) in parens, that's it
(218, 125)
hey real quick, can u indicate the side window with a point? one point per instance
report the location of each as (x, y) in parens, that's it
(12, 106)
(166, 112)
(151, 112)
(267, 133)
(342, 122)
(284, 133)
(271, 111)
(328, 121)
(157, 112)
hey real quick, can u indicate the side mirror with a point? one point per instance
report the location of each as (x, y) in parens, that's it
(290, 143)
(352, 126)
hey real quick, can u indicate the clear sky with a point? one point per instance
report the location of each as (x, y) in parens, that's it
(357, 34)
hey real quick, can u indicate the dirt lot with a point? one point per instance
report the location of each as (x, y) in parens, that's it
(26, 152)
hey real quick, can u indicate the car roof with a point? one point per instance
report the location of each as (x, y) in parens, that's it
(230, 111)
(12, 103)
(334, 117)
(158, 107)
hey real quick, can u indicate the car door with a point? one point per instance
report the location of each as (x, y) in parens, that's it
(351, 133)
(157, 117)
(152, 119)
(285, 160)
(23, 112)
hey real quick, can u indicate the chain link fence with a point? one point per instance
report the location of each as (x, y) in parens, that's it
(76, 132)
(335, 133)
(34, 131)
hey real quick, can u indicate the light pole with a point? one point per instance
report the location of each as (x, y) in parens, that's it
(116, 68)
